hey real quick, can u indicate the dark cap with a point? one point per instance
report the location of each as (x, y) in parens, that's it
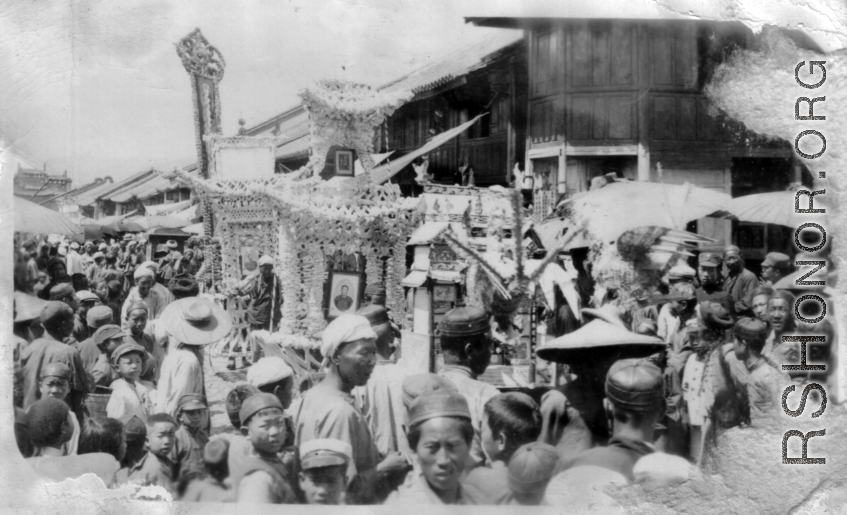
(715, 315)
(634, 384)
(55, 369)
(440, 403)
(777, 260)
(139, 304)
(107, 332)
(216, 452)
(55, 310)
(136, 430)
(531, 467)
(55, 261)
(184, 287)
(126, 348)
(324, 452)
(236, 397)
(731, 248)
(708, 259)
(191, 401)
(467, 321)
(375, 314)
(416, 385)
(751, 329)
(60, 291)
(256, 403)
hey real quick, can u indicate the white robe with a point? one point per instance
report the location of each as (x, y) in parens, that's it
(181, 373)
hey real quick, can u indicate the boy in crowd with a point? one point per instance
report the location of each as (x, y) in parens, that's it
(136, 436)
(509, 420)
(323, 470)
(273, 375)
(530, 470)
(107, 338)
(257, 473)
(129, 397)
(156, 467)
(212, 488)
(54, 382)
(191, 437)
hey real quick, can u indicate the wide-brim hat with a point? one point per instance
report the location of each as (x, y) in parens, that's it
(27, 307)
(606, 312)
(597, 338)
(196, 321)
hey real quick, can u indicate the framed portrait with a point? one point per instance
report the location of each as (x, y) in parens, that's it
(249, 260)
(344, 162)
(344, 293)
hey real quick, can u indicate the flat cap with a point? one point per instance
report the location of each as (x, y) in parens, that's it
(86, 296)
(730, 249)
(56, 310)
(531, 467)
(216, 451)
(102, 246)
(256, 403)
(416, 385)
(266, 260)
(751, 329)
(136, 430)
(375, 314)
(99, 316)
(777, 260)
(100, 255)
(708, 259)
(440, 403)
(184, 286)
(107, 332)
(60, 291)
(75, 245)
(55, 369)
(634, 384)
(55, 261)
(191, 401)
(465, 321)
(324, 452)
(715, 315)
(172, 244)
(126, 348)
(268, 370)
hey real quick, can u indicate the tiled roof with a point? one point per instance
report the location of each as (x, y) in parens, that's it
(458, 64)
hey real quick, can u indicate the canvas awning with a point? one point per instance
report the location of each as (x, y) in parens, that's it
(414, 279)
(387, 171)
(162, 209)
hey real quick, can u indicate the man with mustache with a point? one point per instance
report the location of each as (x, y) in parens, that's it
(330, 411)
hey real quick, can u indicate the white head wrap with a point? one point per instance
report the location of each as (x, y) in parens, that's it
(266, 260)
(268, 370)
(150, 264)
(143, 271)
(345, 328)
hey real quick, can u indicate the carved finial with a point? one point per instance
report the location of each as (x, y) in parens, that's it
(470, 177)
(241, 130)
(199, 57)
(478, 207)
(436, 206)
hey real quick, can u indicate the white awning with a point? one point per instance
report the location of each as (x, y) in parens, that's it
(414, 279)
(446, 276)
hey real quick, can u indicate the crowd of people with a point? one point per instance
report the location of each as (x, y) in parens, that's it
(113, 326)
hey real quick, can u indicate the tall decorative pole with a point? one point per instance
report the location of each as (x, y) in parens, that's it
(205, 65)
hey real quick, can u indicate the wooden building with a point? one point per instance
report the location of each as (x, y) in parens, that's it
(488, 76)
(627, 96)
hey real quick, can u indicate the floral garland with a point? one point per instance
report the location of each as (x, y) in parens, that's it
(284, 339)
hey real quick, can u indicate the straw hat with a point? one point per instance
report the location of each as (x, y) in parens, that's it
(599, 336)
(27, 307)
(195, 321)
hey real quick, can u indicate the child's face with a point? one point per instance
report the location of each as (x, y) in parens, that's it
(54, 388)
(160, 437)
(266, 430)
(489, 443)
(137, 321)
(323, 485)
(130, 366)
(192, 418)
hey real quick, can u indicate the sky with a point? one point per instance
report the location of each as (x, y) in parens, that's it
(96, 87)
